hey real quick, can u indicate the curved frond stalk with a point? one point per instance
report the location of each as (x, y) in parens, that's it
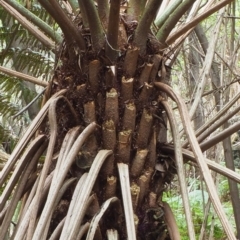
(32, 162)
(96, 29)
(23, 76)
(227, 132)
(18, 171)
(171, 222)
(96, 219)
(72, 230)
(112, 32)
(180, 170)
(211, 164)
(83, 230)
(60, 176)
(135, 9)
(74, 200)
(62, 190)
(143, 28)
(200, 158)
(167, 12)
(172, 38)
(66, 146)
(172, 20)
(28, 25)
(37, 21)
(56, 233)
(53, 137)
(127, 200)
(26, 138)
(23, 224)
(103, 12)
(71, 33)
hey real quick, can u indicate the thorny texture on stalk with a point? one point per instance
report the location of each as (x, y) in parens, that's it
(110, 102)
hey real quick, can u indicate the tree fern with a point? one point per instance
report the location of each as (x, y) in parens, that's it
(103, 128)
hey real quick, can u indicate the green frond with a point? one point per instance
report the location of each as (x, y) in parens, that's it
(13, 88)
(7, 108)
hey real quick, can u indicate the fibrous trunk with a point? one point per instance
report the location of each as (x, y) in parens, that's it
(121, 98)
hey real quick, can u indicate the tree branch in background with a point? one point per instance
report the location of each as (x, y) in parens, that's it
(172, 20)
(112, 32)
(206, 66)
(218, 123)
(96, 29)
(142, 30)
(23, 76)
(29, 26)
(220, 136)
(34, 19)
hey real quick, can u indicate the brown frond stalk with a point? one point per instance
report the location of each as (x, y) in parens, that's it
(127, 89)
(138, 162)
(111, 108)
(130, 62)
(94, 67)
(111, 185)
(124, 146)
(171, 222)
(144, 77)
(129, 116)
(143, 183)
(144, 129)
(109, 142)
(135, 190)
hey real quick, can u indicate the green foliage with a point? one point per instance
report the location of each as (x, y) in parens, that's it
(198, 199)
(22, 52)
